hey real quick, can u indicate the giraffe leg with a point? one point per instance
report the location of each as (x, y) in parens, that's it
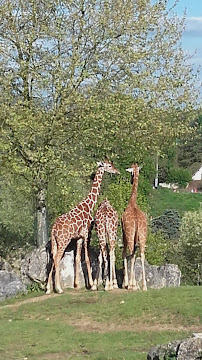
(144, 284)
(114, 280)
(54, 250)
(110, 283)
(135, 286)
(90, 279)
(57, 259)
(131, 281)
(77, 263)
(48, 286)
(125, 270)
(99, 265)
(106, 275)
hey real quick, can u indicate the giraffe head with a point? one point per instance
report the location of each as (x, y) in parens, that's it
(134, 170)
(108, 166)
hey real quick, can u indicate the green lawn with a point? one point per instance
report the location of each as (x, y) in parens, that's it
(97, 325)
(162, 199)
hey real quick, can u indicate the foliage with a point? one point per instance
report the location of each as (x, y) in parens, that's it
(70, 92)
(190, 151)
(179, 176)
(156, 248)
(188, 250)
(168, 223)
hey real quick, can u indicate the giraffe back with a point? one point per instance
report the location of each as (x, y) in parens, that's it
(106, 220)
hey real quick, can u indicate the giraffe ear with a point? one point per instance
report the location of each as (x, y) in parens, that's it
(140, 167)
(100, 163)
(130, 170)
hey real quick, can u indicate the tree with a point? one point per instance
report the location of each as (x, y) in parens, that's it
(187, 252)
(83, 78)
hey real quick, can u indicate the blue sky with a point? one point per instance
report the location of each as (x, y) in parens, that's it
(192, 37)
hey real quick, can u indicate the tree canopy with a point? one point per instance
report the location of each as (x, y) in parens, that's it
(84, 78)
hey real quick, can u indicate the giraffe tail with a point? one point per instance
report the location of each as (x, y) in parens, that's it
(53, 243)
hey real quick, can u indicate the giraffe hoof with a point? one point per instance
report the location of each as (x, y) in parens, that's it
(93, 288)
(48, 292)
(59, 291)
(115, 286)
(144, 288)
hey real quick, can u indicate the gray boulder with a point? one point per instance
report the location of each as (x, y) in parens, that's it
(36, 266)
(190, 349)
(187, 349)
(157, 277)
(10, 285)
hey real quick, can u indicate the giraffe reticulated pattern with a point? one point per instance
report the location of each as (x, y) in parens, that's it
(134, 226)
(106, 224)
(76, 224)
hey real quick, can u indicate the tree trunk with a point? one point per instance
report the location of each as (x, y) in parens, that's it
(156, 180)
(41, 219)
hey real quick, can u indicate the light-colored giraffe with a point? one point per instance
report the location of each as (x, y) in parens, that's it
(134, 225)
(106, 224)
(76, 225)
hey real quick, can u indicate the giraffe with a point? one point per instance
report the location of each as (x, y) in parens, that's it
(76, 224)
(106, 224)
(134, 226)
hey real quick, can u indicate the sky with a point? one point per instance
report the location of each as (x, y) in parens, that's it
(192, 36)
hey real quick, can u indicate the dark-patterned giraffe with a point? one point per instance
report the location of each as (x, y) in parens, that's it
(106, 224)
(134, 225)
(76, 224)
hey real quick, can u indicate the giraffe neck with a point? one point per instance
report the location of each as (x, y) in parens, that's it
(95, 188)
(133, 197)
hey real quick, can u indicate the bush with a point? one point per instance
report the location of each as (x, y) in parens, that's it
(179, 176)
(188, 250)
(156, 248)
(168, 223)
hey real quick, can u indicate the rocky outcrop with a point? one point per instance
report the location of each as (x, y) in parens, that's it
(187, 349)
(10, 285)
(36, 266)
(157, 277)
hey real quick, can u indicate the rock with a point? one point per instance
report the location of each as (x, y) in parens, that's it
(190, 349)
(36, 266)
(187, 349)
(163, 352)
(157, 277)
(10, 285)
(4, 265)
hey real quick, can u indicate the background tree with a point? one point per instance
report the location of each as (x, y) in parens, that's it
(187, 251)
(83, 78)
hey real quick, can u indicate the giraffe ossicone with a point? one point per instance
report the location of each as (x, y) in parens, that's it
(134, 226)
(75, 225)
(106, 224)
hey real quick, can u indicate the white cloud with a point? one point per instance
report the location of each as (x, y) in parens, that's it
(193, 27)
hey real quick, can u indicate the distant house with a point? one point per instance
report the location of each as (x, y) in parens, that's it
(198, 175)
(195, 184)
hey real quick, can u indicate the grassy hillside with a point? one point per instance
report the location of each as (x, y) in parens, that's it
(100, 325)
(162, 199)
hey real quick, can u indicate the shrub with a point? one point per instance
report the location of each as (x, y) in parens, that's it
(168, 223)
(188, 249)
(156, 248)
(179, 176)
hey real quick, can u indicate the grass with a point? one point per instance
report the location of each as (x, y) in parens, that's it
(162, 199)
(99, 325)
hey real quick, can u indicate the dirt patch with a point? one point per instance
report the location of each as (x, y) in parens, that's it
(89, 325)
